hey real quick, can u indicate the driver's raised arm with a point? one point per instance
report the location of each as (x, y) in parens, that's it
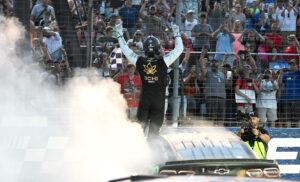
(130, 55)
(173, 55)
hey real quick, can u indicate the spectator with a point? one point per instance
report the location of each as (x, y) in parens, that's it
(182, 99)
(50, 76)
(192, 89)
(289, 15)
(216, 16)
(129, 16)
(279, 9)
(273, 39)
(270, 19)
(39, 9)
(202, 31)
(255, 136)
(153, 23)
(136, 44)
(108, 43)
(214, 89)
(225, 41)
(251, 39)
(189, 23)
(190, 5)
(166, 20)
(259, 17)
(46, 19)
(290, 81)
(249, 18)
(39, 50)
(291, 48)
(269, 3)
(53, 42)
(245, 83)
(239, 15)
(230, 84)
(131, 86)
(6, 9)
(266, 101)
(237, 33)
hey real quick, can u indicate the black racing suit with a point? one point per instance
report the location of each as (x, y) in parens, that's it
(153, 74)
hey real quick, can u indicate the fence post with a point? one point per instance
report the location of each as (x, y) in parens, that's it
(175, 109)
(89, 34)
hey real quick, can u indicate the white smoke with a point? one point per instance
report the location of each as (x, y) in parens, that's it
(79, 133)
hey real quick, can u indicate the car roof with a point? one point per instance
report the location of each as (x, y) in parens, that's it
(192, 178)
(189, 143)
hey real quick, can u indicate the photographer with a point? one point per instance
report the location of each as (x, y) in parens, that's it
(255, 136)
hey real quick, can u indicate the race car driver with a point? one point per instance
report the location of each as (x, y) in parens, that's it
(153, 72)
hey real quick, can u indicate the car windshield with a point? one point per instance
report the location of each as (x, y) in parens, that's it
(206, 143)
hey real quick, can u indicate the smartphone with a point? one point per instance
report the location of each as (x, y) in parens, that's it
(228, 74)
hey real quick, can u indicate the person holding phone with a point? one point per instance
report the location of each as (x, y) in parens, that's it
(266, 101)
(214, 89)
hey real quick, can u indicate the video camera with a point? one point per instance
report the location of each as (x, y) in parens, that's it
(244, 119)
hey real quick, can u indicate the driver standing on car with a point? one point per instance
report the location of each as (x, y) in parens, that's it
(255, 136)
(153, 69)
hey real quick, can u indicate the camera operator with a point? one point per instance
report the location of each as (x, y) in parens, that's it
(254, 135)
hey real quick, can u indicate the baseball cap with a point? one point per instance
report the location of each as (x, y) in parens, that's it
(129, 65)
(267, 71)
(190, 11)
(253, 114)
(162, 9)
(46, 28)
(202, 15)
(293, 61)
(227, 66)
(247, 67)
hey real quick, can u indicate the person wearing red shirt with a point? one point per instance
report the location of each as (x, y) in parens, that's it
(291, 49)
(273, 39)
(131, 85)
(186, 44)
(245, 83)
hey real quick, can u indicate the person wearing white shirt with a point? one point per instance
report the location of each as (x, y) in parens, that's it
(266, 100)
(189, 23)
(289, 15)
(53, 42)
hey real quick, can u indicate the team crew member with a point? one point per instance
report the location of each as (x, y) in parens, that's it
(153, 72)
(255, 136)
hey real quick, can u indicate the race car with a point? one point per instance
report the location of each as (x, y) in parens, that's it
(209, 151)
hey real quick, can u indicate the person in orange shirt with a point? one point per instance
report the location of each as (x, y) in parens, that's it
(191, 87)
(131, 85)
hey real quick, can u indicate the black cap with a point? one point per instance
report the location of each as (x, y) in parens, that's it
(227, 66)
(202, 15)
(253, 114)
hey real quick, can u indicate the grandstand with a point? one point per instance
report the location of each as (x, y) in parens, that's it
(240, 55)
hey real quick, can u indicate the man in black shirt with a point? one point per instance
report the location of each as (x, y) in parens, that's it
(153, 72)
(254, 135)
(108, 43)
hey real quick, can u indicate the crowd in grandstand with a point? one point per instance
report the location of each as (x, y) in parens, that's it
(220, 37)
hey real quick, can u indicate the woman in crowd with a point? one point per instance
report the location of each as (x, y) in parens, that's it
(136, 43)
(237, 32)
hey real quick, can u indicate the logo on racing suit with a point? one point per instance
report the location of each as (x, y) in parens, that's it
(150, 70)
